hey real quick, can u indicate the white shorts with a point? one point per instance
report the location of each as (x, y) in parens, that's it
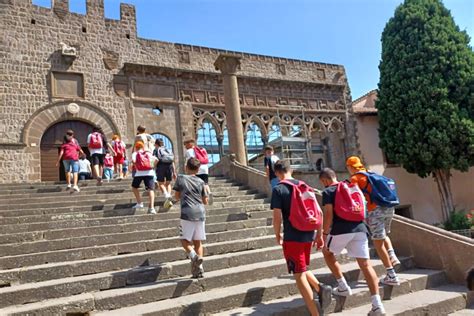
(192, 230)
(356, 244)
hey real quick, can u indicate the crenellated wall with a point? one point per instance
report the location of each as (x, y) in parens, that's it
(124, 77)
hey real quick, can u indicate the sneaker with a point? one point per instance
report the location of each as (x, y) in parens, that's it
(99, 181)
(376, 311)
(200, 273)
(138, 205)
(168, 203)
(152, 210)
(195, 263)
(338, 292)
(395, 263)
(388, 280)
(76, 188)
(68, 187)
(324, 296)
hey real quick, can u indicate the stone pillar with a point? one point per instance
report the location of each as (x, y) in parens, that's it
(228, 65)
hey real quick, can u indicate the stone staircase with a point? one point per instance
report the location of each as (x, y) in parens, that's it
(89, 253)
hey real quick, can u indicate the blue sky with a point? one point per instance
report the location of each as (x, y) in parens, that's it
(343, 32)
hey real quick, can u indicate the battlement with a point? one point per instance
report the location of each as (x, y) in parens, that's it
(94, 10)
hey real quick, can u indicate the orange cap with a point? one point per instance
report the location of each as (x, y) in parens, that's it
(354, 161)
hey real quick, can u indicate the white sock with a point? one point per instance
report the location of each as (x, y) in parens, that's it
(377, 301)
(342, 284)
(167, 195)
(192, 254)
(200, 266)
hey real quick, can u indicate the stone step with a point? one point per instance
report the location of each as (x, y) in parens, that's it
(126, 247)
(74, 268)
(67, 242)
(163, 213)
(245, 294)
(463, 312)
(75, 219)
(147, 225)
(440, 300)
(54, 187)
(104, 193)
(228, 272)
(111, 199)
(412, 280)
(114, 209)
(234, 268)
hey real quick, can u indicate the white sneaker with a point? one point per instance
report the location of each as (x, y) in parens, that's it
(138, 205)
(76, 188)
(376, 311)
(395, 263)
(68, 187)
(342, 292)
(168, 203)
(152, 210)
(388, 280)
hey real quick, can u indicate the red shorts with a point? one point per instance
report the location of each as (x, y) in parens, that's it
(119, 159)
(297, 255)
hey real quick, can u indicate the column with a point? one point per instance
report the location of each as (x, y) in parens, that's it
(228, 65)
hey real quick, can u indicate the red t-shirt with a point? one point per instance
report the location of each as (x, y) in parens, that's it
(71, 150)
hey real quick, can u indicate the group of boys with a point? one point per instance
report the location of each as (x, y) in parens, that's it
(336, 233)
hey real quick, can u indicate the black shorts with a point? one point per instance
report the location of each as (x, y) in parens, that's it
(148, 180)
(164, 172)
(97, 159)
(204, 177)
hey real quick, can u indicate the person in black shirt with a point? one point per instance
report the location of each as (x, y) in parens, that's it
(342, 234)
(296, 244)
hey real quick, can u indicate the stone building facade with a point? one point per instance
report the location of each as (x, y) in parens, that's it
(59, 67)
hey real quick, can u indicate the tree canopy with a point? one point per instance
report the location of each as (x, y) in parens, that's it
(426, 90)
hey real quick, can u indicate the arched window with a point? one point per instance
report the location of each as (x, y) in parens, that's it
(274, 133)
(254, 141)
(207, 138)
(166, 140)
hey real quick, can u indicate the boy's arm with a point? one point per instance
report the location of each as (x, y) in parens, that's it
(175, 175)
(277, 225)
(61, 153)
(205, 200)
(177, 195)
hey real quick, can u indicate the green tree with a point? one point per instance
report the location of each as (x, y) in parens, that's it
(426, 94)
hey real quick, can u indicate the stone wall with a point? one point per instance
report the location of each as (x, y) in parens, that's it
(32, 60)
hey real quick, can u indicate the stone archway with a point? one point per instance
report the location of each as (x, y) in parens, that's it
(55, 113)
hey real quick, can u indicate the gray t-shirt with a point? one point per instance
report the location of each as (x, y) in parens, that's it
(192, 191)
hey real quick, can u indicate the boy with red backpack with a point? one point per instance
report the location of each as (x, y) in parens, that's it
(193, 151)
(144, 164)
(344, 228)
(120, 153)
(294, 203)
(97, 144)
(108, 166)
(381, 195)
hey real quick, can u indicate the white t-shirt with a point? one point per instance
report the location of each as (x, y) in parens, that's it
(93, 151)
(147, 140)
(84, 166)
(144, 173)
(204, 169)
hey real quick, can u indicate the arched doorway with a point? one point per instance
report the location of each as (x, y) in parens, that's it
(52, 140)
(166, 140)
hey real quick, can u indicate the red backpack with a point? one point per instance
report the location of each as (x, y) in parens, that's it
(349, 203)
(119, 147)
(201, 155)
(96, 141)
(108, 161)
(143, 161)
(305, 213)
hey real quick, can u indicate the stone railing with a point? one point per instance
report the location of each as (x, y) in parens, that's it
(433, 248)
(430, 247)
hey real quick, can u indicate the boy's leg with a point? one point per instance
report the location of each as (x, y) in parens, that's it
(137, 195)
(332, 263)
(198, 248)
(306, 292)
(372, 282)
(150, 184)
(75, 178)
(68, 178)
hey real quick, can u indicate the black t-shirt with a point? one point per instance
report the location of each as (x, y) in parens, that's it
(267, 162)
(281, 199)
(339, 225)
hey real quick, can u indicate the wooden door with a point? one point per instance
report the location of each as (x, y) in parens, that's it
(52, 140)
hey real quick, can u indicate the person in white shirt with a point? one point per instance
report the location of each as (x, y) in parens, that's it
(147, 140)
(97, 144)
(84, 168)
(203, 171)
